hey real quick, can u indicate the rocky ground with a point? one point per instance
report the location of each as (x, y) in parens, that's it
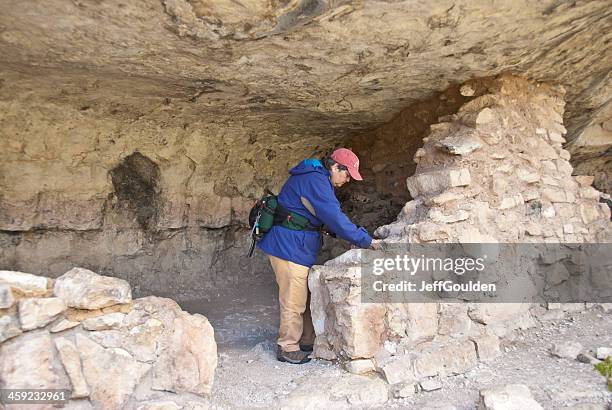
(248, 376)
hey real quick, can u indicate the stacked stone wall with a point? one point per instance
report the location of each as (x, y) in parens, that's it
(494, 172)
(84, 333)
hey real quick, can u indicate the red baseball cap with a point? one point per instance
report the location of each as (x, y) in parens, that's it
(348, 158)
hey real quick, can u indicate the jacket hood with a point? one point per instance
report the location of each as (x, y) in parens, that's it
(309, 165)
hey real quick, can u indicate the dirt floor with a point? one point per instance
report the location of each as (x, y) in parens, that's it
(248, 375)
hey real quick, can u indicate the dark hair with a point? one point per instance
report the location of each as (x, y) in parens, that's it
(328, 163)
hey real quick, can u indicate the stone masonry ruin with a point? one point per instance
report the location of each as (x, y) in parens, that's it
(493, 172)
(137, 135)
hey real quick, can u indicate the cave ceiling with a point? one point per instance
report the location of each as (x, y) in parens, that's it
(304, 67)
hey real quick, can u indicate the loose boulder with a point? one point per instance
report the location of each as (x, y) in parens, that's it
(508, 397)
(84, 289)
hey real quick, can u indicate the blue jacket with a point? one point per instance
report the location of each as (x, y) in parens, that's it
(309, 179)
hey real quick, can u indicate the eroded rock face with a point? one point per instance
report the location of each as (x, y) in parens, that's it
(515, 187)
(219, 101)
(125, 355)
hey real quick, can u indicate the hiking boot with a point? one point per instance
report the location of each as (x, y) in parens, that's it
(306, 348)
(297, 357)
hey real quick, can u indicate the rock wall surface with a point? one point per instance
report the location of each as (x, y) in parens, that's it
(493, 172)
(136, 135)
(163, 205)
(84, 333)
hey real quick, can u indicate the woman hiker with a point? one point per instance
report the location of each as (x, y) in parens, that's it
(309, 192)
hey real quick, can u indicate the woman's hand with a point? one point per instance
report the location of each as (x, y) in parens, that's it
(376, 244)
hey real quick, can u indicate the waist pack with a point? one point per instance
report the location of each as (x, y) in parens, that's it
(267, 212)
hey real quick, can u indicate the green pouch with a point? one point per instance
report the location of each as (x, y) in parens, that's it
(295, 222)
(261, 217)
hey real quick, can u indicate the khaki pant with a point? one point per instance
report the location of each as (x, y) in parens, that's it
(294, 300)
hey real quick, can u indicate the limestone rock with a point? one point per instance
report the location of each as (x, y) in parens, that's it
(25, 283)
(104, 322)
(111, 339)
(568, 349)
(508, 397)
(72, 364)
(554, 195)
(187, 356)
(603, 352)
(345, 392)
(38, 312)
(111, 376)
(445, 197)
(430, 384)
(360, 366)
(403, 390)
(528, 175)
(588, 212)
(585, 180)
(63, 324)
(398, 369)
(142, 339)
(556, 137)
(428, 231)
(437, 181)
(441, 359)
(350, 257)
(352, 330)
(84, 289)
(485, 116)
(459, 145)
(533, 229)
(30, 362)
(159, 405)
(511, 202)
(453, 319)
(588, 192)
(6, 297)
(9, 327)
(439, 217)
(466, 90)
(80, 315)
(487, 347)
(489, 313)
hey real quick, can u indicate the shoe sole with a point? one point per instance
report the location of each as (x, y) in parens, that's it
(285, 360)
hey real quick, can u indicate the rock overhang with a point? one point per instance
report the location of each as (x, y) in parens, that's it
(305, 67)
